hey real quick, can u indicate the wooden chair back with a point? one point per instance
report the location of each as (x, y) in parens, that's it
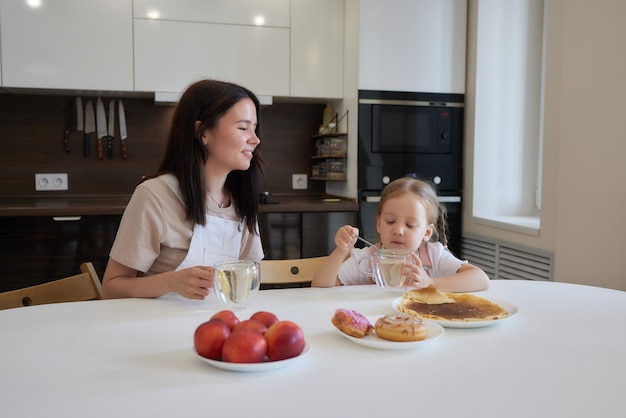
(84, 286)
(286, 272)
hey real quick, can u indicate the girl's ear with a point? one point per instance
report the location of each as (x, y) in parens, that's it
(429, 232)
(378, 224)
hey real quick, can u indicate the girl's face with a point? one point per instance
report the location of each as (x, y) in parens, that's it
(232, 141)
(403, 224)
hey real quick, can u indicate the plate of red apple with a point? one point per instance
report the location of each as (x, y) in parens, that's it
(261, 343)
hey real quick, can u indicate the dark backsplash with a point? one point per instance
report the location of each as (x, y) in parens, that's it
(31, 141)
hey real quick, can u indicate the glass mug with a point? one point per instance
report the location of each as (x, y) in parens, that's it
(385, 266)
(236, 282)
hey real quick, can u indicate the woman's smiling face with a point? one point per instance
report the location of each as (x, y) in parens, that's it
(231, 143)
(403, 223)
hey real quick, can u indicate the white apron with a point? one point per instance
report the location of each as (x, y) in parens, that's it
(218, 240)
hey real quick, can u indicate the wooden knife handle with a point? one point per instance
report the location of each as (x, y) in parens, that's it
(123, 149)
(100, 149)
(66, 141)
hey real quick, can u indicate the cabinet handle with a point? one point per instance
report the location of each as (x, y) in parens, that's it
(66, 218)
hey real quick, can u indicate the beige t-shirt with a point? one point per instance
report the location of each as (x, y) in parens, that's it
(154, 236)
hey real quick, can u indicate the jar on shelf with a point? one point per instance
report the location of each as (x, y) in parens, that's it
(338, 146)
(337, 170)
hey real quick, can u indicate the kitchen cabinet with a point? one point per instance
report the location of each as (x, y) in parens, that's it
(67, 44)
(287, 235)
(273, 13)
(39, 249)
(316, 53)
(169, 55)
(417, 45)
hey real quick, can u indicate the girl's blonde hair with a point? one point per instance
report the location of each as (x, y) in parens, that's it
(435, 212)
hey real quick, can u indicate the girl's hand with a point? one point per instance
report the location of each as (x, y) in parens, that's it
(345, 238)
(193, 282)
(416, 275)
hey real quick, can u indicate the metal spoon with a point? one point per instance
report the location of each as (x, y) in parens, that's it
(365, 241)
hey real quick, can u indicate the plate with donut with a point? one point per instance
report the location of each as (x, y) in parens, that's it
(453, 310)
(386, 332)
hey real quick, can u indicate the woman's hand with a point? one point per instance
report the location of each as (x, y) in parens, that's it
(193, 282)
(416, 275)
(345, 238)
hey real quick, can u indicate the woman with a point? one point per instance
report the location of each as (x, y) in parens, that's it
(200, 207)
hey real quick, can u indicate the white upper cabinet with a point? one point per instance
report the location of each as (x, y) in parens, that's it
(412, 45)
(67, 44)
(317, 35)
(171, 54)
(273, 13)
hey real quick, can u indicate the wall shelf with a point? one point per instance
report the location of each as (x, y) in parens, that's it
(330, 152)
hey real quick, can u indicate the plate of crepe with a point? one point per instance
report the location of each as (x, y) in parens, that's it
(454, 310)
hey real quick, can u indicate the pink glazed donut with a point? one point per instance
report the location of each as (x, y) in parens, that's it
(352, 323)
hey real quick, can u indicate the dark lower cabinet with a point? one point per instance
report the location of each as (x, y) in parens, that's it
(40, 249)
(301, 235)
(35, 250)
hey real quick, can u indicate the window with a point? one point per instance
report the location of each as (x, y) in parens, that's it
(508, 114)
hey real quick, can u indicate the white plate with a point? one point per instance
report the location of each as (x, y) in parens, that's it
(511, 309)
(257, 367)
(433, 331)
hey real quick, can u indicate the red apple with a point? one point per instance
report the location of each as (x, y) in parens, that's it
(227, 316)
(267, 318)
(244, 347)
(285, 340)
(251, 325)
(209, 338)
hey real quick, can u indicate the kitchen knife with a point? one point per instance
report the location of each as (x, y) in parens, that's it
(111, 130)
(101, 122)
(90, 126)
(70, 126)
(123, 133)
(79, 115)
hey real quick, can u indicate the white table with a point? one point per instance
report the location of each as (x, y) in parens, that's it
(562, 355)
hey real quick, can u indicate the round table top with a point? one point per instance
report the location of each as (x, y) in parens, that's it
(560, 355)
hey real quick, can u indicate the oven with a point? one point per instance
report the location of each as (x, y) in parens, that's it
(410, 134)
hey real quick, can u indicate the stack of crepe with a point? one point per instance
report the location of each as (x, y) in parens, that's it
(431, 303)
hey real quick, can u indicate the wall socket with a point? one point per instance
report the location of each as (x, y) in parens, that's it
(298, 181)
(51, 181)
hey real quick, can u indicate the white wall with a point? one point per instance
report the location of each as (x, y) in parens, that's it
(583, 196)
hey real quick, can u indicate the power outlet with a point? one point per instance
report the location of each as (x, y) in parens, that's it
(298, 181)
(51, 181)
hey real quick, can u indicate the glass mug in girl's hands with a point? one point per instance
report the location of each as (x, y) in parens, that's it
(385, 266)
(236, 282)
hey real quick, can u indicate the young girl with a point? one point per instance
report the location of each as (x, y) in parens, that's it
(408, 217)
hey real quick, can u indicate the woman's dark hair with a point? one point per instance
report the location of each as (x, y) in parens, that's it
(185, 154)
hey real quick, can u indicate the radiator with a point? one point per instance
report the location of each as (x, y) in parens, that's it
(508, 261)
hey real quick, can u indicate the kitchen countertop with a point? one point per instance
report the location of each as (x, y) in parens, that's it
(115, 205)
